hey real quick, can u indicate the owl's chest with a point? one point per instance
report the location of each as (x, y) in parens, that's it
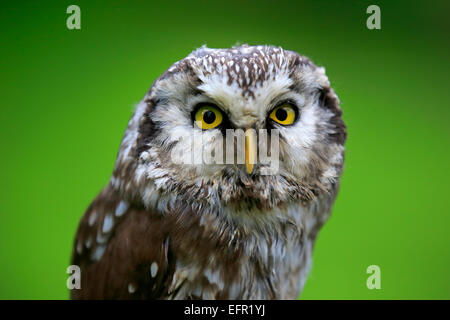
(268, 267)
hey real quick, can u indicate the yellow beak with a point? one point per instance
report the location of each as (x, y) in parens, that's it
(250, 150)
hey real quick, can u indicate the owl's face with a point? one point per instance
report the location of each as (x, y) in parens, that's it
(201, 99)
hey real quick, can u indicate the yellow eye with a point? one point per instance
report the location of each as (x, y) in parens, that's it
(284, 114)
(208, 117)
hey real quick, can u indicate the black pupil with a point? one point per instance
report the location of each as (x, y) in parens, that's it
(209, 117)
(281, 114)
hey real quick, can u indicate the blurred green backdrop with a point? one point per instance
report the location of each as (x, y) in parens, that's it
(66, 97)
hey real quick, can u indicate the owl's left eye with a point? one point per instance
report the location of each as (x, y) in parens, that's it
(208, 117)
(284, 114)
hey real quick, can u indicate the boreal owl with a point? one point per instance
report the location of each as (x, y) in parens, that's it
(169, 229)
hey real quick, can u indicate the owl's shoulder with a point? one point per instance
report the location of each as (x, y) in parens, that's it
(122, 250)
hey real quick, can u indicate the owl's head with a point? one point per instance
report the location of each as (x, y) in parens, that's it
(225, 105)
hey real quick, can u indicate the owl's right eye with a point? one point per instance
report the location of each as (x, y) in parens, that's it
(208, 117)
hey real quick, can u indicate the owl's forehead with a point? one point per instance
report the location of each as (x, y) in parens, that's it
(244, 68)
(241, 78)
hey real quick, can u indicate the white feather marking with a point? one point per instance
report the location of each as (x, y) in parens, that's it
(92, 218)
(98, 252)
(121, 208)
(88, 242)
(108, 223)
(132, 288)
(79, 247)
(102, 238)
(153, 269)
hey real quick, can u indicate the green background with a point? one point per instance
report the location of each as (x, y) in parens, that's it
(66, 97)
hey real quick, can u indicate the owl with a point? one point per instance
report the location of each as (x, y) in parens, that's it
(163, 228)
